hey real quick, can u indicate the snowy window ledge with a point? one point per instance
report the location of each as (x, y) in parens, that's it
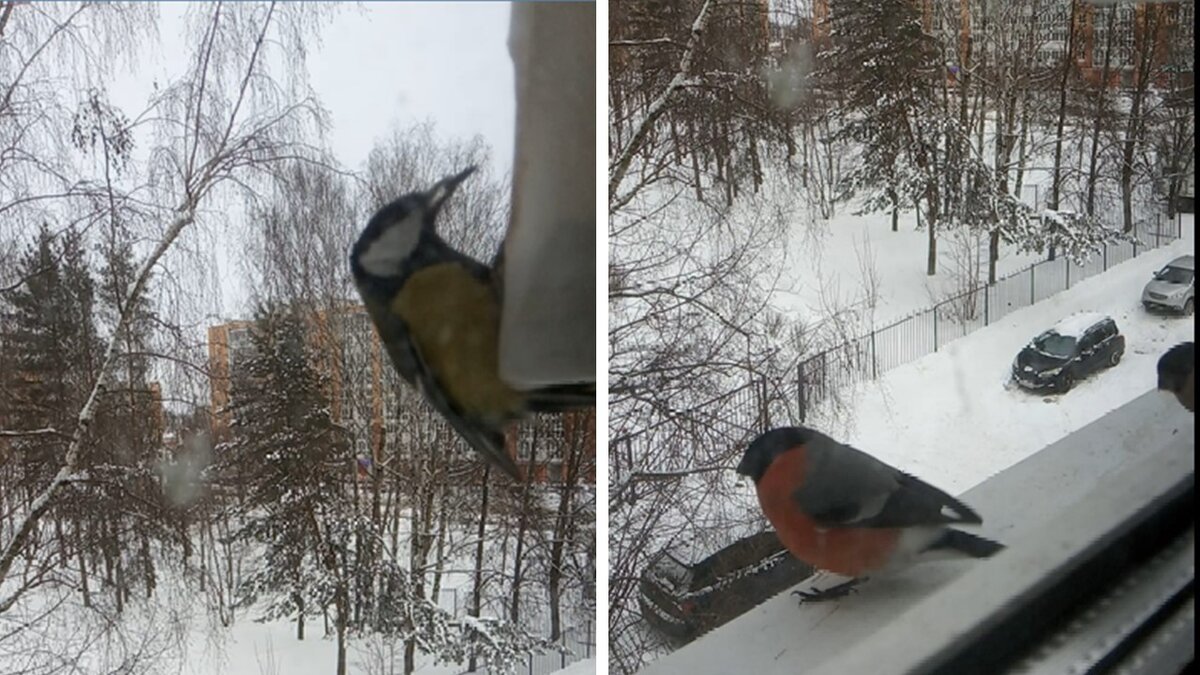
(1108, 508)
(1107, 583)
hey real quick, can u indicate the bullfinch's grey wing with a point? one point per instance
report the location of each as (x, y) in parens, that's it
(845, 487)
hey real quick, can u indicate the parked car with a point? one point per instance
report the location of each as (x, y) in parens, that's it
(1173, 288)
(1078, 346)
(685, 599)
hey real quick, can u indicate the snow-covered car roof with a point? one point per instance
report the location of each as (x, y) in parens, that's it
(1077, 324)
(1187, 262)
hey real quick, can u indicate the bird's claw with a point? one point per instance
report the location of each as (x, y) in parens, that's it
(838, 591)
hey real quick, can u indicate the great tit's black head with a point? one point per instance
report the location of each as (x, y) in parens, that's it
(1176, 365)
(764, 449)
(395, 231)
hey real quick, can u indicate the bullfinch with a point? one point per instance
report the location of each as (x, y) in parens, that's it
(1177, 373)
(843, 511)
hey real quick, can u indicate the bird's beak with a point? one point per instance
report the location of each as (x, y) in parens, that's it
(440, 192)
(743, 468)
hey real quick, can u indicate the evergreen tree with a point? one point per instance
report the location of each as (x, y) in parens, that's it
(53, 351)
(54, 348)
(293, 459)
(912, 149)
(884, 66)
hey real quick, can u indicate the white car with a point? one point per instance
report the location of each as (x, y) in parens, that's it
(1173, 288)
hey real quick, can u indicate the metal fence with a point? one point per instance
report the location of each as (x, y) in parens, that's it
(577, 642)
(738, 414)
(820, 377)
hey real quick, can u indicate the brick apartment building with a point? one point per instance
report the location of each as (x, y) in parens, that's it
(366, 393)
(810, 20)
(1174, 49)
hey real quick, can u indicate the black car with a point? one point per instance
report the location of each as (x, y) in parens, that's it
(685, 599)
(1078, 346)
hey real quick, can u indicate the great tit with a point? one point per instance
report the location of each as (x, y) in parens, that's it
(437, 312)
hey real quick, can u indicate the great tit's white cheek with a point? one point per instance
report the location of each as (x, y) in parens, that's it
(384, 256)
(438, 194)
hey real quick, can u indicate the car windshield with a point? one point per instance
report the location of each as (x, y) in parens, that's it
(1053, 344)
(1175, 275)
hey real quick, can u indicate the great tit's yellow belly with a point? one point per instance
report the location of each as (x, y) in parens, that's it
(454, 319)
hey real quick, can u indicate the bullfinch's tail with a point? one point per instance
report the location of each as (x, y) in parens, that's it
(966, 543)
(561, 398)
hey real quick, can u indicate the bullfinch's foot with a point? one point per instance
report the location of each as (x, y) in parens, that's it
(814, 594)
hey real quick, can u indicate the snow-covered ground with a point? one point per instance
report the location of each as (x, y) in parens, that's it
(828, 270)
(828, 262)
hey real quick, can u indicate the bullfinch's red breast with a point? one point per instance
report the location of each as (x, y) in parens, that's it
(839, 509)
(1177, 373)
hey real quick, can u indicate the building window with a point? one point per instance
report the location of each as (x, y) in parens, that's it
(1184, 40)
(1122, 43)
(937, 17)
(1050, 31)
(1100, 43)
(240, 347)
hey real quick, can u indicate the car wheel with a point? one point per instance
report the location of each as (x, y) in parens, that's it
(1065, 382)
(1114, 358)
(1189, 307)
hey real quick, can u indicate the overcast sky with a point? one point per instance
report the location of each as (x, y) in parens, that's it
(378, 65)
(444, 61)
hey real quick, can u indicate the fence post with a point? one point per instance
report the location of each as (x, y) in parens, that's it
(987, 292)
(800, 391)
(935, 335)
(1067, 262)
(874, 366)
(1032, 268)
(1106, 257)
(1157, 229)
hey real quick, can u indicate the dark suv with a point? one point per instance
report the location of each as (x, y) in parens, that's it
(684, 599)
(1078, 346)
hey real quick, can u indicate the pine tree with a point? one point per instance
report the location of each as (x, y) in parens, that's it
(294, 459)
(885, 67)
(54, 347)
(53, 350)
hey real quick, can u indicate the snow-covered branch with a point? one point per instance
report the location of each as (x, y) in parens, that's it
(620, 165)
